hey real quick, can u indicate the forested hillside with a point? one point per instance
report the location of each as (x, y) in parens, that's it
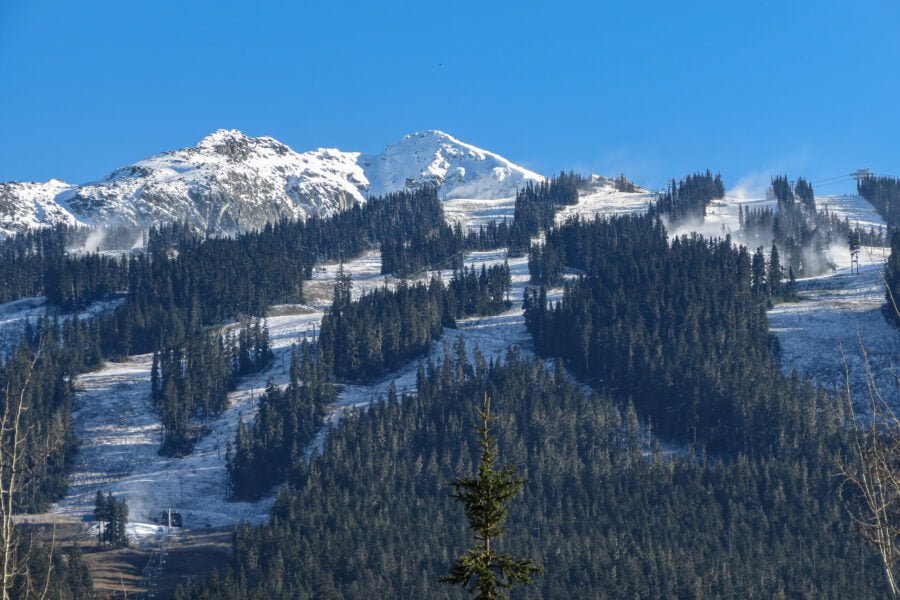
(673, 338)
(666, 452)
(604, 509)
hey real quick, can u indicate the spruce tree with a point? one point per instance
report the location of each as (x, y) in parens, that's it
(482, 570)
(774, 275)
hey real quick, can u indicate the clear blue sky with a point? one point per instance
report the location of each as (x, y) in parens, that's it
(652, 89)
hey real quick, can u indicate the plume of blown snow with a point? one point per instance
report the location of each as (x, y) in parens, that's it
(750, 187)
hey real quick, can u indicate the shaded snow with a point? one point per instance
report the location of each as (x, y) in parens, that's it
(15, 316)
(120, 434)
(836, 318)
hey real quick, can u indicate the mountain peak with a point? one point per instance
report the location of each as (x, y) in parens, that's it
(431, 133)
(458, 169)
(230, 181)
(237, 145)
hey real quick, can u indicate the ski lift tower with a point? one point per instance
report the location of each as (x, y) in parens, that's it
(861, 174)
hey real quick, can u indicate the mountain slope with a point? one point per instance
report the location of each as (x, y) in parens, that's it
(230, 182)
(227, 182)
(459, 170)
(27, 205)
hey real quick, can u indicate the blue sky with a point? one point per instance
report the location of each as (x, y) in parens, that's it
(651, 89)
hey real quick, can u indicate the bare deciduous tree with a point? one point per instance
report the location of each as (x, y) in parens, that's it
(870, 475)
(15, 467)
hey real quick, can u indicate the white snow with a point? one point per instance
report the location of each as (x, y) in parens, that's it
(459, 169)
(606, 201)
(32, 205)
(835, 325)
(15, 315)
(120, 431)
(230, 181)
(599, 199)
(493, 336)
(120, 435)
(471, 213)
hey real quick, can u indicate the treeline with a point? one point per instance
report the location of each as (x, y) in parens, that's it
(193, 380)
(36, 384)
(440, 248)
(536, 206)
(767, 278)
(25, 259)
(381, 331)
(183, 278)
(73, 282)
(265, 452)
(679, 329)
(892, 281)
(884, 194)
(358, 341)
(623, 184)
(686, 201)
(803, 233)
(535, 211)
(604, 510)
(38, 262)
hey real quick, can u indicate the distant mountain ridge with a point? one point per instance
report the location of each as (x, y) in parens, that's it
(230, 182)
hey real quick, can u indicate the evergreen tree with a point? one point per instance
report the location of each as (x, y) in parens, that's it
(482, 570)
(892, 281)
(775, 274)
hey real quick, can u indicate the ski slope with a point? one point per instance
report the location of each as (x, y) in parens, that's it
(837, 327)
(120, 431)
(605, 201)
(600, 199)
(838, 317)
(493, 336)
(120, 434)
(15, 316)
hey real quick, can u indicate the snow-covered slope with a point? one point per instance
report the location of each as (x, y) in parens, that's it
(230, 181)
(26, 205)
(458, 169)
(227, 182)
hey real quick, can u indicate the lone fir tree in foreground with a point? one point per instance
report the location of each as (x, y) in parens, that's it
(482, 570)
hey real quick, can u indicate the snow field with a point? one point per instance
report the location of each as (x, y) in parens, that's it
(838, 327)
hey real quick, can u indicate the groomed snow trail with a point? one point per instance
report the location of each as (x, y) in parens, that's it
(120, 434)
(120, 431)
(839, 319)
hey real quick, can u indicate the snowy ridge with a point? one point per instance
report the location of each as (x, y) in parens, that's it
(459, 170)
(28, 205)
(227, 182)
(231, 182)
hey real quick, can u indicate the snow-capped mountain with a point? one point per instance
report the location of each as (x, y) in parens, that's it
(227, 182)
(230, 181)
(26, 205)
(458, 169)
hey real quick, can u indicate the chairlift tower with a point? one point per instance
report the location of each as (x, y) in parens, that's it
(861, 174)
